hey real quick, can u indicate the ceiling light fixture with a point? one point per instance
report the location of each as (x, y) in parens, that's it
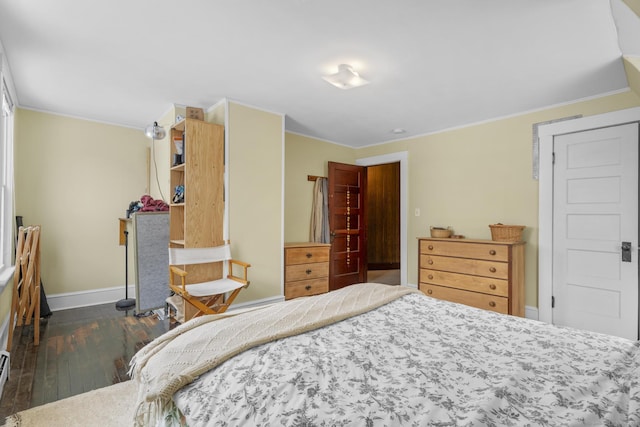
(155, 131)
(398, 131)
(345, 78)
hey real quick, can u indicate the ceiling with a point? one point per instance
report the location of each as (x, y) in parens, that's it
(432, 64)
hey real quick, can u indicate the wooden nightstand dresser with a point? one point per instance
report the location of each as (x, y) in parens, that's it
(306, 269)
(480, 273)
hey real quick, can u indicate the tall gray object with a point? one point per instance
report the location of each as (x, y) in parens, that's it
(151, 231)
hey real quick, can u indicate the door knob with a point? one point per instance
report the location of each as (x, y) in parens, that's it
(626, 251)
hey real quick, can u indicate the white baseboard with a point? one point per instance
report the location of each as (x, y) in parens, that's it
(68, 300)
(531, 312)
(255, 303)
(108, 295)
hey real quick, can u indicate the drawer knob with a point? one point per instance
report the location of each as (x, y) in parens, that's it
(430, 277)
(309, 255)
(429, 291)
(430, 247)
(492, 269)
(492, 252)
(492, 304)
(308, 287)
(308, 271)
(430, 261)
(492, 286)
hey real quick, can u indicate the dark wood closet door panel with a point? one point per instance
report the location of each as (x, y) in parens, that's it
(383, 216)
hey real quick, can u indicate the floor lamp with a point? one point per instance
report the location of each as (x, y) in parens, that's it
(127, 302)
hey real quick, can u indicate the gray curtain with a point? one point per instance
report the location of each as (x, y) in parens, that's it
(319, 231)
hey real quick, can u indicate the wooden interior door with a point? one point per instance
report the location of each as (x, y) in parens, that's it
(347, 224)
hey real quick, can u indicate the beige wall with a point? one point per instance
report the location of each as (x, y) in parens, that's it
(466, 178)
(632, 69)
(76, 178)
(217, 114)
(255, 197)
(306, 156)
(5, 304)
(482, 174)
(634, 5)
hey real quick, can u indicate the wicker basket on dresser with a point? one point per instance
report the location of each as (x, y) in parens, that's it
(480, 273)
(306, 269)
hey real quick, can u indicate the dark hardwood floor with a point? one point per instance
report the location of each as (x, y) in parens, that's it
(80, 350)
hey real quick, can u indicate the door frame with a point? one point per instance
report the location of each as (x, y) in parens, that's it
(546, 134)
(403, 158)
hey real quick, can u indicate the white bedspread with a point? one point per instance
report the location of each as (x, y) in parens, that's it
(417, 361)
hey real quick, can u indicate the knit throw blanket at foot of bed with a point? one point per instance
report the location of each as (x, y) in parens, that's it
(178, 357)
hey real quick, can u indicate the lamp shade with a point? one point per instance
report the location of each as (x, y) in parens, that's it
(155, 131)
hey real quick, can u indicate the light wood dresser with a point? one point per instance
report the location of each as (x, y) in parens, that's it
(306, 269)
(480, 273)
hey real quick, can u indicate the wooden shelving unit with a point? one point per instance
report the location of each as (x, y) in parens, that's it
(197, 222)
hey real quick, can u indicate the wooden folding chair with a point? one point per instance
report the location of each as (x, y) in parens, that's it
(198, 287)
(25, 302)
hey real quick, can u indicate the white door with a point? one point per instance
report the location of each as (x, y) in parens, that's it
(595, 203)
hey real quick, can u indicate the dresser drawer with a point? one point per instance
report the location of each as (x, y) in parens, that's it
(305, 288)
(486, 285)
(306, 255)
(306, 271)
(474, 299)
(486, 251)
(499, 270)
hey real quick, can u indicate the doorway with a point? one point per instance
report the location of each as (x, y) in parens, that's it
(383, 223)
(585, 280)
(402, 159)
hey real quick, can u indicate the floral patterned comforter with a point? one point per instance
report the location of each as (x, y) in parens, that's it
(418, 361)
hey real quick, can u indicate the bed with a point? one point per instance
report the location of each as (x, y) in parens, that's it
(379, 355)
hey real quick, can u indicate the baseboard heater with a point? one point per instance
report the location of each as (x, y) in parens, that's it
(5, 367)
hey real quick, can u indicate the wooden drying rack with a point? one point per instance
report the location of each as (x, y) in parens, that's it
(313, 177)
